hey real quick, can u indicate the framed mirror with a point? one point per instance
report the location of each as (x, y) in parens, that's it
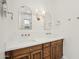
(25, 18)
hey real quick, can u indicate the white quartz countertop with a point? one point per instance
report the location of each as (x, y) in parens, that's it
(21, 43)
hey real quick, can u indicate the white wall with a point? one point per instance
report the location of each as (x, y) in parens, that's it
(9, 29)
(1, 40)
(2, 37)
(37, 27)
(61, 10)
(64, 10)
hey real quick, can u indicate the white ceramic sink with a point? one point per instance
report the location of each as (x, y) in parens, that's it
(30, 41)
(44, 39)
(20, 43)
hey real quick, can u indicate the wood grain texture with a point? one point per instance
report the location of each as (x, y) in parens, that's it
(36, 54)
(50, 50)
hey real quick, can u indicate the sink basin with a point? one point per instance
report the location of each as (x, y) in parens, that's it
(30, 41)
(41, 39)
(48, 38)
(20, 43)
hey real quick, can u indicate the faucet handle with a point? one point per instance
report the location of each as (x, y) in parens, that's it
(22, 35)
(28, 34)
(25, 34)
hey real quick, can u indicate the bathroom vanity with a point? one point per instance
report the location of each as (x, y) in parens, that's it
(52, 49)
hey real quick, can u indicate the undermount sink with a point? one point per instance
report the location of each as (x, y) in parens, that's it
(29, 41)
(46, 38)
(19, 44)
(41, 39)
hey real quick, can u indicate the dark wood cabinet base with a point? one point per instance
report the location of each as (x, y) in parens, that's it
(50, 50)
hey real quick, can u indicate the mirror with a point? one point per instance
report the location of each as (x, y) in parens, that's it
(25, 18)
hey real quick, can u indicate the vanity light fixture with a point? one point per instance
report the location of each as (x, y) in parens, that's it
(45, 18)
(40, 13)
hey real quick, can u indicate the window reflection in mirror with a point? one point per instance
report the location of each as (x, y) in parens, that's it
(25, 18)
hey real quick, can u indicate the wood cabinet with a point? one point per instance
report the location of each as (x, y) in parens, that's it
(57, 49)
(53, 52)
(23, 53)
(23, 56)
(50, 50)
(36, 52)
(46, 51)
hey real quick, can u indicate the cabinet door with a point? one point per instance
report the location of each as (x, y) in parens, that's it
(59, 51)
(36, 54)
(24, 56)
(53, 52)
(46, 53)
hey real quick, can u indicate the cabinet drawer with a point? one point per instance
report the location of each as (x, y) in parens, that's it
(57, 42)
(24, 56)
(48, 57)
(46, 45)
(53, 43)
(46, 51)
(37, 47)
(60, 42)
(20, 51)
